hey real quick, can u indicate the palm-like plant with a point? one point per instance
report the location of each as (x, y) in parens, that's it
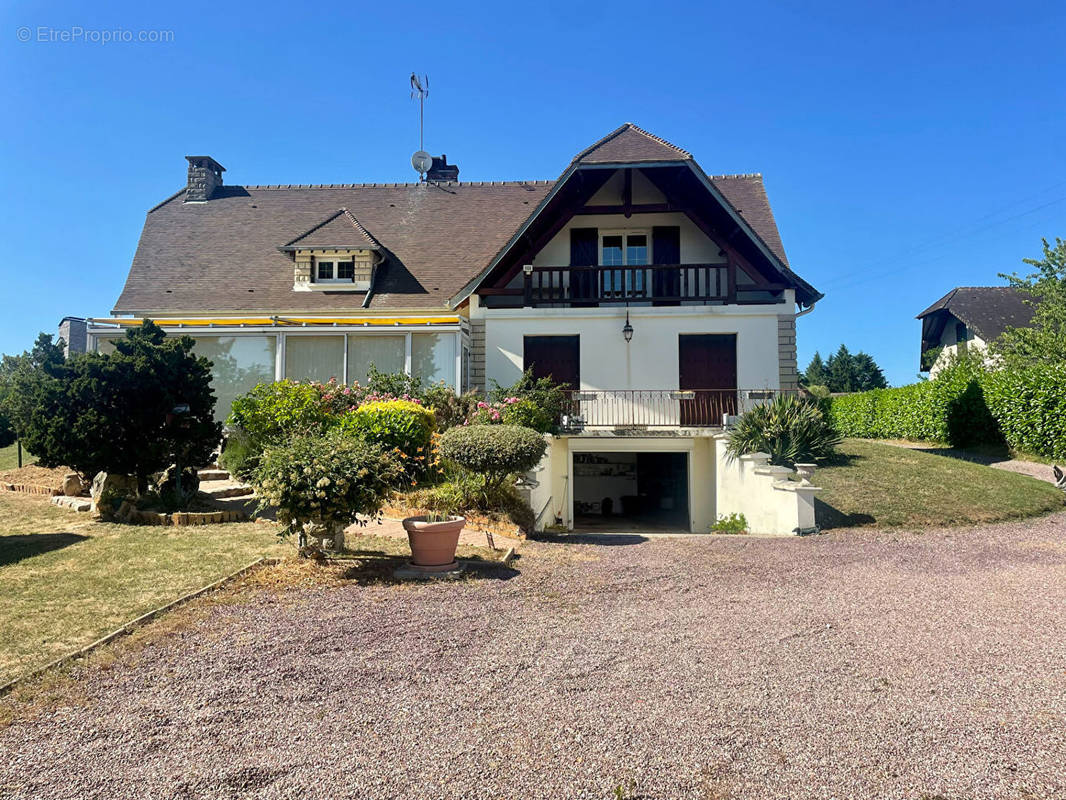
(790, 429)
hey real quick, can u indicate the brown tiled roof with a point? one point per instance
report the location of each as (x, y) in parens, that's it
(630, 144)
(987, 310)
(338, 231)
(747, 195)
(223, 255)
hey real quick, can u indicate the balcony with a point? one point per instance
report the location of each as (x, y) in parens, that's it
(661, 284)
(658, 409)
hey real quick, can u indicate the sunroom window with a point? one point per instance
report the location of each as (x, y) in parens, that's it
(334, 270)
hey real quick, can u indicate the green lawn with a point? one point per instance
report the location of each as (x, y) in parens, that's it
(68, 580)
(9, 457)
(883, 485)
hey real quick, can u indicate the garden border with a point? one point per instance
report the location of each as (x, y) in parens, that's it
(132, 625)
(29, 488)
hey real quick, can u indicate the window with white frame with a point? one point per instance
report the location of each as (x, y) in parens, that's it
(334, 269)
(624, 249)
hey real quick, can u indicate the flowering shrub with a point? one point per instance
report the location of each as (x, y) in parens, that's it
(324, 480)
(402, 426)
(489, 413)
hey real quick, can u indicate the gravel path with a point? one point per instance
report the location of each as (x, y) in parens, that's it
(850, 665)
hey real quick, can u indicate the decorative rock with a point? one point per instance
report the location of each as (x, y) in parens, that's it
(73, 503)
(109, 489)
(72, 485)
(167, 485)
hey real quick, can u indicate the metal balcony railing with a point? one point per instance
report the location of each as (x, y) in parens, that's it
(659, 408)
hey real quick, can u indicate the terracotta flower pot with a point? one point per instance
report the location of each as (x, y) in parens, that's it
(433, 543)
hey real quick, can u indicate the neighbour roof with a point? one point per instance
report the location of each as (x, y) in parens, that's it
(628, 145)
(988, 310)
(338, 231)
(224, 255)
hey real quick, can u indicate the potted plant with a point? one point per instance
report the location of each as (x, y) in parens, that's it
(434, 538)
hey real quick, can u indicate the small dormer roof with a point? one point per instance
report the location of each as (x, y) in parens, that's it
(339, 231)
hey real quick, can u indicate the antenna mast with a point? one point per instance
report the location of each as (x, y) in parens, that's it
(420, 89)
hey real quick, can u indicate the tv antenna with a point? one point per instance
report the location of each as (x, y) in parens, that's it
(421, 160)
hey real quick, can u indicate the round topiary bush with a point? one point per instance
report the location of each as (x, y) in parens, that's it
(494, 451)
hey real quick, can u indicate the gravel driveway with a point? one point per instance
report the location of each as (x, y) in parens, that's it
(850, 665)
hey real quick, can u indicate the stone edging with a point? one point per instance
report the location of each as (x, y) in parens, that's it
(130, 626)
(178, 518)
(29, 488)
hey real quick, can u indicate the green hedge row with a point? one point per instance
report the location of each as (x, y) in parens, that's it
(1030, 407)
(965, 406)
(951, 408)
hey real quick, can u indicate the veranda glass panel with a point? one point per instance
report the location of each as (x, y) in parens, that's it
(433, 357)
(386, 353)
(314, 358)
(238, 364)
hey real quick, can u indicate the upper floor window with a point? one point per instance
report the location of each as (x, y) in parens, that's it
(334, 270)
(623, 250)
(961, 334)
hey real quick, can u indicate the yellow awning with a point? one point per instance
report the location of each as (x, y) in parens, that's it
(282, 321)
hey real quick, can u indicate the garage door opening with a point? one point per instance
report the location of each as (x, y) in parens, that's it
(631, 492)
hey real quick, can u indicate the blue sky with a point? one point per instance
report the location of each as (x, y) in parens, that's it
(908, 147)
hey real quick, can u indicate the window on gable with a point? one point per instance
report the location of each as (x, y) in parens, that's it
(623, 250)
(334, 270)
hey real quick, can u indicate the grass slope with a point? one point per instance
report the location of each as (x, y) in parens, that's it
(878, 484)
(68, 580)
(9, 457)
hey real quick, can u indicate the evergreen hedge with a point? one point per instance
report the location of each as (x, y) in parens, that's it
(964, 406)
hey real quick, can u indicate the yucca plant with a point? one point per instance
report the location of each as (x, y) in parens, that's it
(790, 429)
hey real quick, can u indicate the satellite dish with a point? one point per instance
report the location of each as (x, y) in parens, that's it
(421, 161)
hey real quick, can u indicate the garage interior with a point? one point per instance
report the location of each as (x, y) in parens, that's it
(631, 492)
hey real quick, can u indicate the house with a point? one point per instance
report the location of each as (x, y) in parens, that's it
(662, 295)
(968, 318)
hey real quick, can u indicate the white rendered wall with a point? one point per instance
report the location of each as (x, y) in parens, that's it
(650, 360)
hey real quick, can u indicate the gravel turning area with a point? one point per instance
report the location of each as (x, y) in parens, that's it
(851, 665)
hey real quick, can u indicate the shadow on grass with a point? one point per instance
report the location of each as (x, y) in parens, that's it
(839, 459)
(828, 517)
(378, 567)
(16, 548)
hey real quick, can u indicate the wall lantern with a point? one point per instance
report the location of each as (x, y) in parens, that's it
(627, 330)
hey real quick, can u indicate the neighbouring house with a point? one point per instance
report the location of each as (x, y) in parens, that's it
(661, 294)
(966, 319)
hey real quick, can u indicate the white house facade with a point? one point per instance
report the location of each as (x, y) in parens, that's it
(659, 294)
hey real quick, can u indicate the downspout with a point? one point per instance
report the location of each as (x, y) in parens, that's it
(373, 275)
(807, 310)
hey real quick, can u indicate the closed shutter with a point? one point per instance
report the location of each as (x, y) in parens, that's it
(584, 252)
(666, 249)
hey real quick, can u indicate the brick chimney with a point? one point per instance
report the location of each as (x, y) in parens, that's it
(205, 175)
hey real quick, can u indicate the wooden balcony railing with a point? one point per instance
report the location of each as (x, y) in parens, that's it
(659, 408)
(654, 284)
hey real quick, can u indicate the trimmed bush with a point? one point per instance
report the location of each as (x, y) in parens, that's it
(950, 409)
(400, 425)
(1030, 407)
(324, 480)
(790, 429)
(494, 451)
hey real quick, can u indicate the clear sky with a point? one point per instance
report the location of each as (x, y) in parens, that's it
(907, 147)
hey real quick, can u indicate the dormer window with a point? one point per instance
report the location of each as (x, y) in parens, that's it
(332, 270)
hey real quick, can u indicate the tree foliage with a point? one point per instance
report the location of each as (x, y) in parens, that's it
(845, 372)
(45, 355)
(1043, 342)
(115, 412)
